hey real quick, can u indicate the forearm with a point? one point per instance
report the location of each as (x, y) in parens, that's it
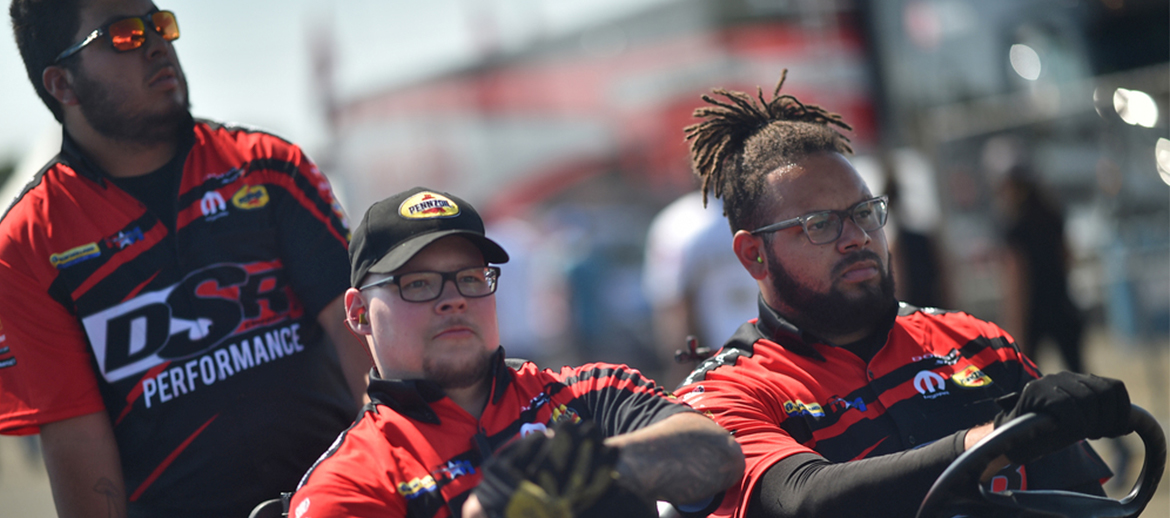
(682, 459)
(81, 457)
(890, 485)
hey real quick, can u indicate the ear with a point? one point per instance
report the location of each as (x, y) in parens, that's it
(356, 312)
(59, 82)
(749, 249)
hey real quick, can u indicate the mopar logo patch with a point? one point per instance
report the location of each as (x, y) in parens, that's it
(250, 197)
(75, 255)
(427, 205)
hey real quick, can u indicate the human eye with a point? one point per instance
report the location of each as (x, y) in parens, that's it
(416, 281)
(471, 276)
(818, 222)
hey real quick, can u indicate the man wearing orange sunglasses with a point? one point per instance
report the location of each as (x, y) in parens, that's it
(161, 324)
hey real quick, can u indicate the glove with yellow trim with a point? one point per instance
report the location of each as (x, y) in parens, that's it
(566, 472)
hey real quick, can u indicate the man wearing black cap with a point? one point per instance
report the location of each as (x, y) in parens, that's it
(444, 401)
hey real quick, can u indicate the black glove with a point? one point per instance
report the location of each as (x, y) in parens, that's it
(1082, 406)
(565, 472)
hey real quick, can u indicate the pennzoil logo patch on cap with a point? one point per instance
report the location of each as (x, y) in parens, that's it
(427, 205)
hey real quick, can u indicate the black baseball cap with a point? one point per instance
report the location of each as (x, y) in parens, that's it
(396, 228)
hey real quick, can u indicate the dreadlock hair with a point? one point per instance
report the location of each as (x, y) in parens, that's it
(44, 28)
(741, 141)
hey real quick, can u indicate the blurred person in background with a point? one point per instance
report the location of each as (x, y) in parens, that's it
(172, 312)
(600, 440)
(1037, 264)
(838, 393)
(693, 282)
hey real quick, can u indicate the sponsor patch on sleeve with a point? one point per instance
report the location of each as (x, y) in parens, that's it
(75, 255)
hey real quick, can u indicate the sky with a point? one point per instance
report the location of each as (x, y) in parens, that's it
(248, 60)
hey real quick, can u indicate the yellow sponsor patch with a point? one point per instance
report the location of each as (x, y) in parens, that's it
(250, 197)
(971, 377)
(427, 205)
(75, 255)
(798, 407)
(564, 413)
(415, 488)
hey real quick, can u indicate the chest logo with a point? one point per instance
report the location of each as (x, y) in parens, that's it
(250, 197)
(930, 384)
(75, 255)
(971, 377)
(564, 413)
(798, 407)
(124, 239)
(428, 205)
(213, 206)
(527, 429)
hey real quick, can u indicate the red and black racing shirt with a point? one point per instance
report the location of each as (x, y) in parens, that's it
(783, 392)
(201, 343)
(414, 452)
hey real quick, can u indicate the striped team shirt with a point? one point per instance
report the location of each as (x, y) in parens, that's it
(782, 392)
(199, 337)
(414, 452)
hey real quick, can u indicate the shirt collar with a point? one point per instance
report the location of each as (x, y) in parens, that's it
(777, 329)
(413, 398)
(75, 157)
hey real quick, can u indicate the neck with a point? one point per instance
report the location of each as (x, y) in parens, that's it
(473, 398)
(120, 158)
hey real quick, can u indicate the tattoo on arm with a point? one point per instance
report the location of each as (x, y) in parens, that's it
(679, 470)
(115, 497)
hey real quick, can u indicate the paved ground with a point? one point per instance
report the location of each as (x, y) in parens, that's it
(24, 486)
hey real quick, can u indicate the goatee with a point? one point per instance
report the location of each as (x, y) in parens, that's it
(834, 313)
(104, 110)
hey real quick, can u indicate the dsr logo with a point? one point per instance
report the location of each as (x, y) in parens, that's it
(186, 319)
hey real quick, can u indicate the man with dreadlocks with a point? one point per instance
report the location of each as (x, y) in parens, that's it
(839, 394)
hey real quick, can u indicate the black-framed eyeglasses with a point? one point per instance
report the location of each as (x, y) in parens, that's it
(824, 227)
(475, 282)
(129, 33)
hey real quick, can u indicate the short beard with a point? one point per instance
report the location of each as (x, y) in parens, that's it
(103, 110)
(834, 313)
(459, 375)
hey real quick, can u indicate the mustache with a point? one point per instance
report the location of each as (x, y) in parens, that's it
(857, 257)
(455, 322)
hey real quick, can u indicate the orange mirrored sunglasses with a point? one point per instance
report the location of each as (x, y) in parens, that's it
(129, 33)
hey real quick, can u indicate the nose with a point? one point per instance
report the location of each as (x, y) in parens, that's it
(155, 44)
(852, 236)
(450, 300)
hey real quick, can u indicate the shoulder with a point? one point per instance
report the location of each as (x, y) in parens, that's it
(32, 201)
(958, 323)
(253, 141)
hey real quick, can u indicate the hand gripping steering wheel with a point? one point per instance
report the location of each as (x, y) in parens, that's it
(957, 492)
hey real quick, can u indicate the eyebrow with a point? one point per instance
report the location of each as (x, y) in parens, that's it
(116, 17)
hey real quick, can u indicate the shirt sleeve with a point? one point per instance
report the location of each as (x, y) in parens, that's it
(45, 364)
(808, 485)
(748, 410)
(619, 398)
(352, 478)
(314, 234)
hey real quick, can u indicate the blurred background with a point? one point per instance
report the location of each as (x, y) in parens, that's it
(1024, 144)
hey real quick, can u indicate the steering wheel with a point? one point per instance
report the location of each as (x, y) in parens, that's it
(957, 492)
